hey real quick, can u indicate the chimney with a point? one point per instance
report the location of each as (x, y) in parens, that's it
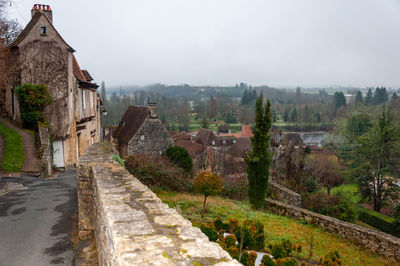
(43, 8)
(153, 110)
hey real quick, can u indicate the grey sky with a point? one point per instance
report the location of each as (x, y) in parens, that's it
(222, 42)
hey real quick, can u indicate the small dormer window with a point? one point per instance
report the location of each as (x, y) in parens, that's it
(234, 141)
(142, 137)
(224, 142)
(213, 142)
(43, 30)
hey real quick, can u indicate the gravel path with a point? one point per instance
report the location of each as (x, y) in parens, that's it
(36, 220)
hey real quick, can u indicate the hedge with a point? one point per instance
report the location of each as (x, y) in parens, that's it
(379, 221)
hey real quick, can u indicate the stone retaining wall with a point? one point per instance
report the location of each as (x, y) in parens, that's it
(283, 194)
(130, 223)
(45, 152)
(376, 241)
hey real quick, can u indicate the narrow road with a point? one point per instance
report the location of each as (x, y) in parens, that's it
(36, 220)
(32, 163)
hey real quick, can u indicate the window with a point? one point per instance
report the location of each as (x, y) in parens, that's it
(234, 141)
(83, 99)
(213, 142)
(43, 30)
(224, 142)
(142, 137)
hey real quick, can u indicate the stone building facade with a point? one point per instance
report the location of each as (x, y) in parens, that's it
(41, 56)
(141, 132)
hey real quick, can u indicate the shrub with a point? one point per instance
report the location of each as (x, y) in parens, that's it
(207, 183)
(158, 173)
(230, 241)
(244, 259)
(332, 206)
(396, 213)
(267, 261)
(310, 185)
(32, 99)
(252, 234)
(278, 251)
(287, 262)
(379, 221)
(234, 252)
(209, 232)
(232, 223)
(332, 259)
(219, 224)
(181, 157)
(252, 258)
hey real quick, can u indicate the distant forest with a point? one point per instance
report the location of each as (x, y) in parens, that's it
(181, 106)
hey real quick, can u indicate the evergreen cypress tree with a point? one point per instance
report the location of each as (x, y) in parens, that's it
(369, 98)
(359, 97)
(259, 160)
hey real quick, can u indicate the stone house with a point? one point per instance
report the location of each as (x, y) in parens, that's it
(206, 137)
(141, 132)
(40, 55)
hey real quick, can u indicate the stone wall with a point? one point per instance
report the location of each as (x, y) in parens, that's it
(45, 152)
(283, 194)
(131, 224)
(376, 241)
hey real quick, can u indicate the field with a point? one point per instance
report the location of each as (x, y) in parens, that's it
(277, 227)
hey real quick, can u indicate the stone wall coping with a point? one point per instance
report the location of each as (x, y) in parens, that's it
(131, 224)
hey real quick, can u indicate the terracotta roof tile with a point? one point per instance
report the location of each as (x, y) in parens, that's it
(193, 148)
(239, 149)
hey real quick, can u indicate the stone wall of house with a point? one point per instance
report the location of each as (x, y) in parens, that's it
(45, 152)
(156, 139)
(283, 194)
(376, 241)
(130, 223)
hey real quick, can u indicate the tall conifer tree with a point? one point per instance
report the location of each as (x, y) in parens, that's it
(259, 160)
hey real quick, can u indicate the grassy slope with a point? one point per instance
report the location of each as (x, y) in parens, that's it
(13, 157)
(277, 227)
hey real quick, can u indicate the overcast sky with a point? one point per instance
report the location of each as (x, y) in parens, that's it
(280, 43)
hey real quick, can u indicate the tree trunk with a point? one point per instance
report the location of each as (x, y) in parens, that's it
(328, 190)
(204, 207)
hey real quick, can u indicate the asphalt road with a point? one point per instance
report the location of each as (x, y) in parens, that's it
(36, 221)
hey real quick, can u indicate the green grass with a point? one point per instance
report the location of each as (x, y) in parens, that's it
(13, 157)
(350, 191)
(277, 227)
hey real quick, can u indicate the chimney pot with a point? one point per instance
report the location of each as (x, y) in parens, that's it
(43, 8)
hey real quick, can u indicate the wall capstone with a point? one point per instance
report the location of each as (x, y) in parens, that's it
(132, 226)
(376, 241)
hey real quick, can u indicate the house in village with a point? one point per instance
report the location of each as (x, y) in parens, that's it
(141, 132)
(206, 137)
(40, 55)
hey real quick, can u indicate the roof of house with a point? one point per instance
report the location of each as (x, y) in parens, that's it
(35, 18)
(240, 147)
(130, 123)
(180, 136)
(204, 136)
(193, 148)
(87, 75)
(81, 76)
(246, 132)
(294, 138)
